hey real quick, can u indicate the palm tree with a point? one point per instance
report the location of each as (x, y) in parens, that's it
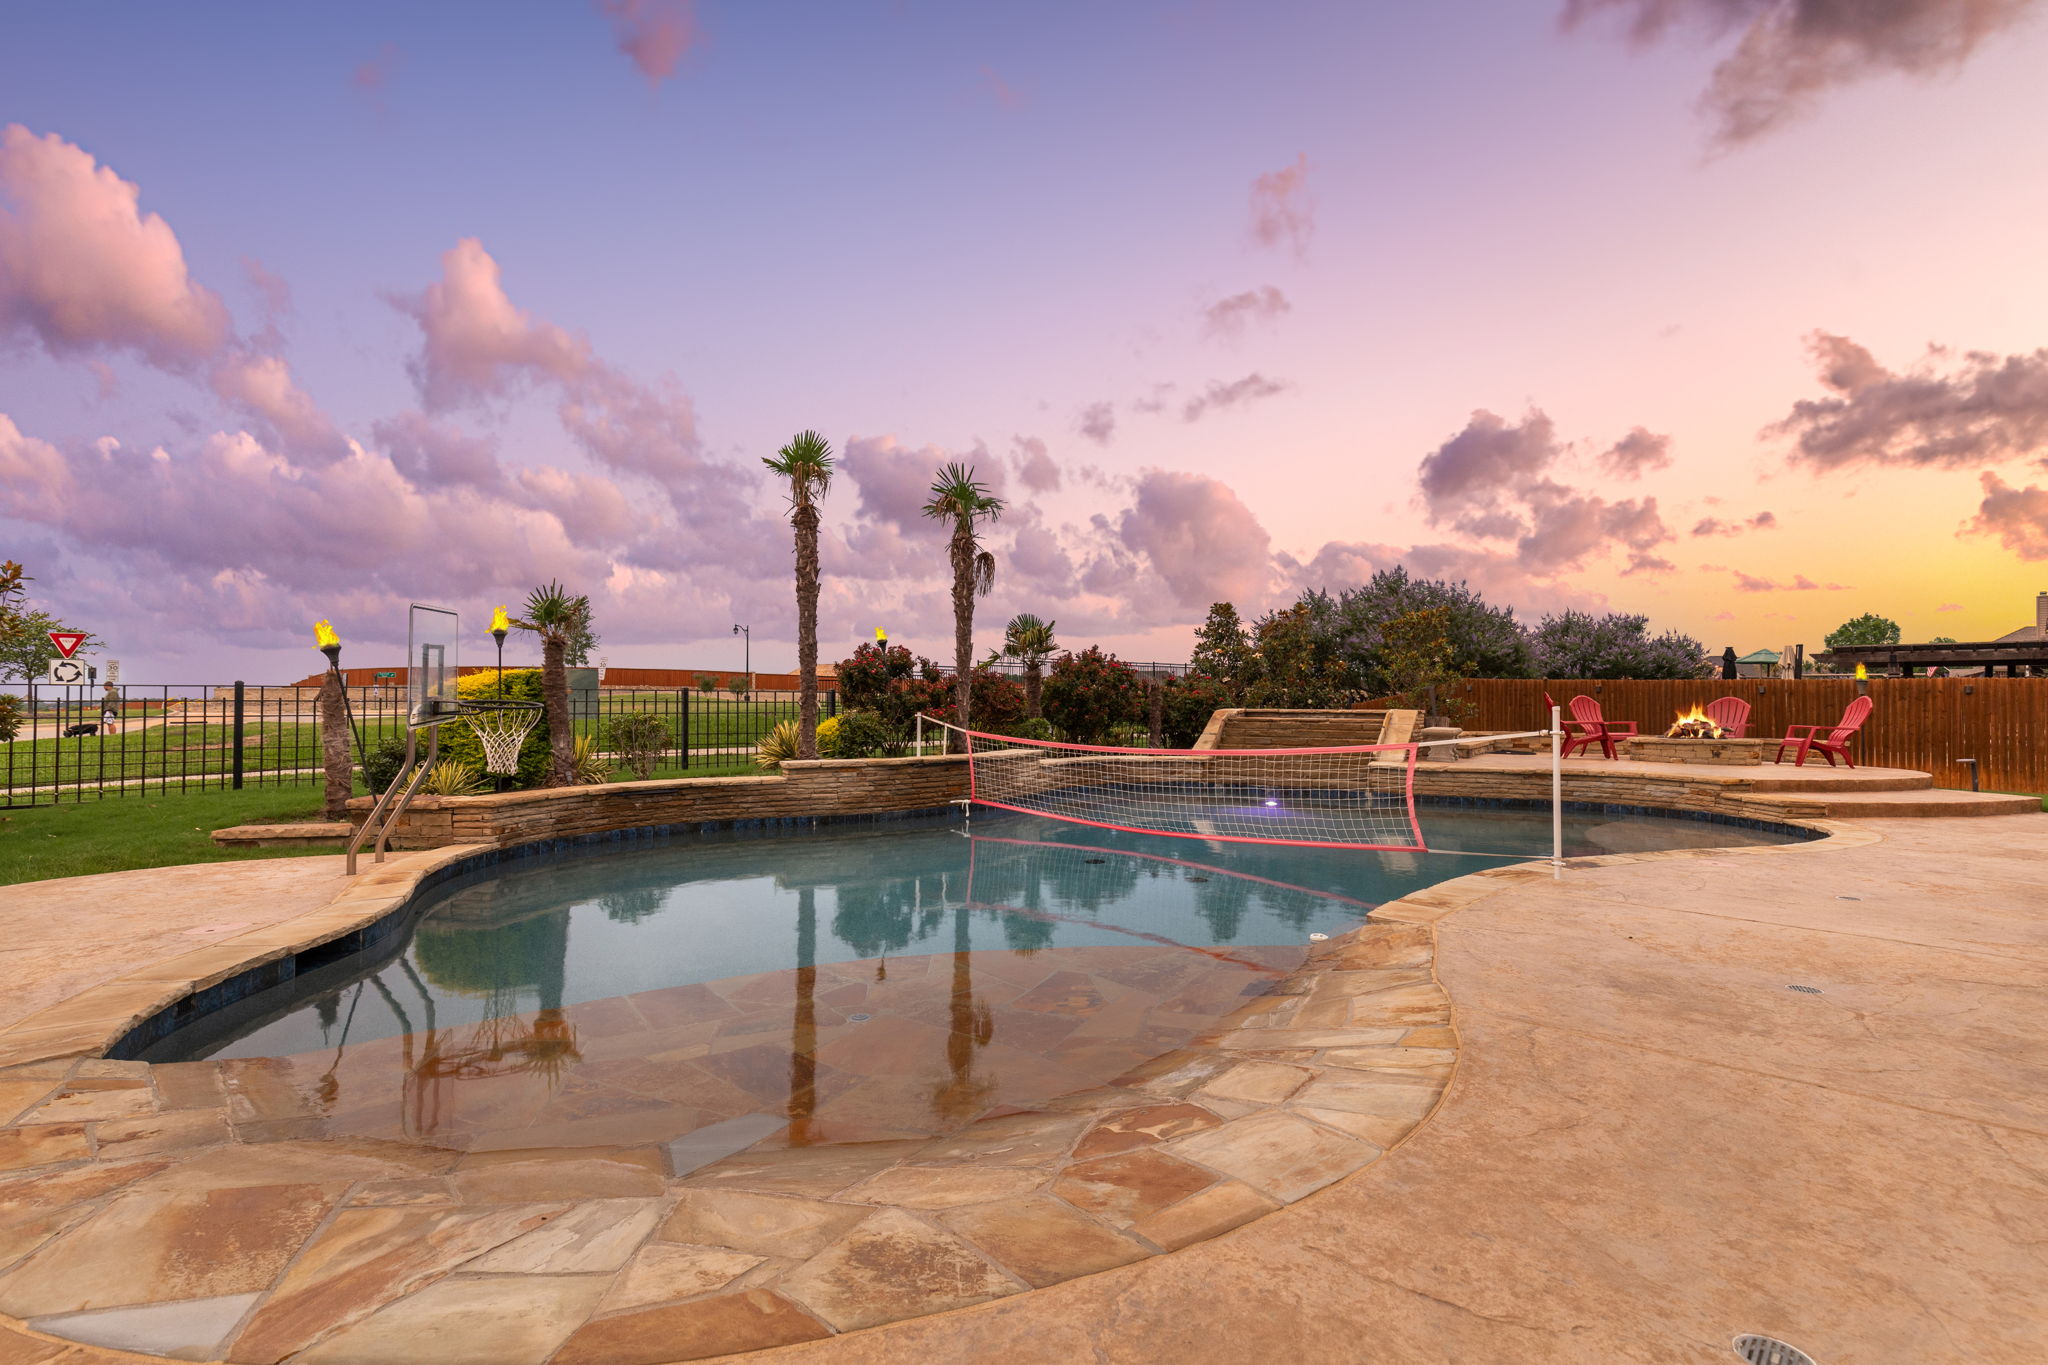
(961, 499)
(807, 463)
(1030, 639)
(556, 617)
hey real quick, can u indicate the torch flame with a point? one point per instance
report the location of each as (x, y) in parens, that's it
(881, 635)
(500, 621)
(324, 636)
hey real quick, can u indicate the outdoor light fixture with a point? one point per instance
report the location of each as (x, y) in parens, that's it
(748, 632)
(501, 626)
(329, 642)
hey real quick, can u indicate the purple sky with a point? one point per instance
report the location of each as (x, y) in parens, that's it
(1732, 312)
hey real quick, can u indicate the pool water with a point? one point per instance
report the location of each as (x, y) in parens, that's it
(866, 982)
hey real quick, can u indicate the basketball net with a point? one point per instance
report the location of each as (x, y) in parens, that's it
(1356, 796)
(502, 730)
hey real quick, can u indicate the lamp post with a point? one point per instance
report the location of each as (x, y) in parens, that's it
(748, 632)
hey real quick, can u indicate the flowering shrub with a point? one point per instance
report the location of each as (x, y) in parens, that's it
(1189, 702)
(1089, 694)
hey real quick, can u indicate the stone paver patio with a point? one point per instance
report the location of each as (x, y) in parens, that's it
(1649, 1143)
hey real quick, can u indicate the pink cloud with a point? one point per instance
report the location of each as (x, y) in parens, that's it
(2017, 516)
(1282, 213)
(1229, 317)
(1098, 422)
(83, 269)
(1790, 52)
(1950, 606)
(654, 33)
(1636, 454)
(1203, 541)
(262, 385)
(477, 343)
(894, 480)
(431, 454)
(1979, 410)
(1035, 468)
(1485, 463)
(1236, 393)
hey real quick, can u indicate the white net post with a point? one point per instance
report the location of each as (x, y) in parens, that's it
(1556, 793)
(1354, 796)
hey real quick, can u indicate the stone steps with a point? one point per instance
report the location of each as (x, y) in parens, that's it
(306, 834)
(1881, 805)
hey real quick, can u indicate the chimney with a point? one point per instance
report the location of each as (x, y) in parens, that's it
(2041, 613)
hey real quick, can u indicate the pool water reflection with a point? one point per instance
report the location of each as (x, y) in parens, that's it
(858, 984)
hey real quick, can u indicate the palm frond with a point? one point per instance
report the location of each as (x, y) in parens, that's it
(984, 573)
(553, 612)
(807, 463)
(958, 496)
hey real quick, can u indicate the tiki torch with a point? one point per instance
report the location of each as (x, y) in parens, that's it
(501, 625)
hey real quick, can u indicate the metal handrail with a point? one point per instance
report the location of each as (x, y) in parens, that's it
(418, 775)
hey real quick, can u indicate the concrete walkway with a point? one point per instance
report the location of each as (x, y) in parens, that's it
(1652, 1144)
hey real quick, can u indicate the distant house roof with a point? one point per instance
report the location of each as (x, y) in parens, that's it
(1759, 656)
(2025, 635)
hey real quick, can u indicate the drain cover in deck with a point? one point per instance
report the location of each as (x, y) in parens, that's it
(1760, 1350)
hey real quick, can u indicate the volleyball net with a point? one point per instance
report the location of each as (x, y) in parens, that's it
(1354, 796)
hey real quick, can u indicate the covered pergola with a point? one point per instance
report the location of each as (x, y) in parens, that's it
(2012, 656)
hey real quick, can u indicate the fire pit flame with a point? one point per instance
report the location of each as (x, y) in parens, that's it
(1695, 724)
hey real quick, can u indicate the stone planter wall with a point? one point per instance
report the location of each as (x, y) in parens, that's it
(806, 788)
(1265, 728)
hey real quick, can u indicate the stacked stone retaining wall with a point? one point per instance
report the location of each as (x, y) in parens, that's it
(1266, 728)
(819, 787)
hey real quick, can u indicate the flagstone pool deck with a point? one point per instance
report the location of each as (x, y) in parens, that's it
(1647, 1144)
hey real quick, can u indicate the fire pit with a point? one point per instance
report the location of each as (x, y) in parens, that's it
(1694, 724)
(1695, 738)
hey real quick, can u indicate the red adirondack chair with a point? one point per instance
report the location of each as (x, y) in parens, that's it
(1731, 714)
(1836, 741)
(1592, 728)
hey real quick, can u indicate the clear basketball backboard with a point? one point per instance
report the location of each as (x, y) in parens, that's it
(432, 639)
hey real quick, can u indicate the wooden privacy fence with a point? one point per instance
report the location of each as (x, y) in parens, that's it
(1926, 724)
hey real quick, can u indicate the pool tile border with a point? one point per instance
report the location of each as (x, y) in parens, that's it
(1298, 1088)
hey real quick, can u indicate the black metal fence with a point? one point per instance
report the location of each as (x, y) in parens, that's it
(1015, 667)
(79, 742)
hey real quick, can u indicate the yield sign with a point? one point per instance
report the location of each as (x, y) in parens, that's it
(67, 641)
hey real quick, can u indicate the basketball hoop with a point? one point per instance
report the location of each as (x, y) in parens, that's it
(501, 727)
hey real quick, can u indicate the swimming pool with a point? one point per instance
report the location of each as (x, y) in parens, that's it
(861, 983)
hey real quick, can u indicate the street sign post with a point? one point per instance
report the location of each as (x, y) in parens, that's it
(69, 672)
(67, 641)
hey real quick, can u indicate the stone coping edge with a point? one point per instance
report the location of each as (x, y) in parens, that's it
(1299, 1088)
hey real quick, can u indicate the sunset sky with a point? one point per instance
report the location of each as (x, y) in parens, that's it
(1729, 312)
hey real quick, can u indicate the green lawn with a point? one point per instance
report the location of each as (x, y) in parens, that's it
(161, 829)
(112, 834)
